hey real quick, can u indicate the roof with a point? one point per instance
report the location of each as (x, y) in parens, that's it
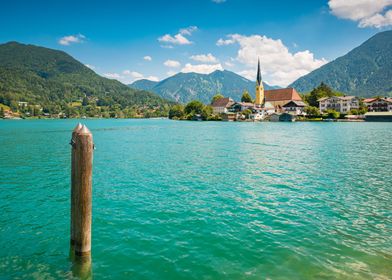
(348, 97)
(378, 114)
(370, 100)
(296, 102)
(223, 102)
(282, 94)
(246, 104)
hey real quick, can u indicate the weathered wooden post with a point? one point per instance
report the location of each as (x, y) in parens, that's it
(81, 191)
(73, 182)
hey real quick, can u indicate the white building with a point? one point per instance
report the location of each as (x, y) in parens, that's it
(295, 107)
(379, 104)
(341, 104)
(221, 105)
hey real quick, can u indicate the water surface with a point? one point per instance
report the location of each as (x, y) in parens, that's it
(202, 200)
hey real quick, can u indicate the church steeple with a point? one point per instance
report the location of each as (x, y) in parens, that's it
(259, 79)
(259, 87)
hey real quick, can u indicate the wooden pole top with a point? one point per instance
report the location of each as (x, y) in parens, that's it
(84, 130)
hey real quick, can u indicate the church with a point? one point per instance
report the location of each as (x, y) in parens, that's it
(275, 98)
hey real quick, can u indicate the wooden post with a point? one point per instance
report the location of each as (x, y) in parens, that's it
(82, 192)
(73, 181)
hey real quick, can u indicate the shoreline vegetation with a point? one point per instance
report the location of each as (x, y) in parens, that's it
(194, 110)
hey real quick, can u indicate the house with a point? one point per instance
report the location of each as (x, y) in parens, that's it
(295, 107)
(341, 104)
(221, 105)
(378, 116)
(280, 97)
(22, 104)
(378, 104)
(229, 117)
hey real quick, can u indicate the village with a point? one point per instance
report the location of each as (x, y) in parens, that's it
(286, 104)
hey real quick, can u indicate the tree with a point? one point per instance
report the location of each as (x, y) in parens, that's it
(246, 113)
(85, 101)
(216, 97)
(194, 107)
(246, 97)
(332, 114)
(176, 112)
(206, 112)
(1, 112)
(312, 111)
(319, 92)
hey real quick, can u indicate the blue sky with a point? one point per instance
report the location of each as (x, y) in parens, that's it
(129, 40)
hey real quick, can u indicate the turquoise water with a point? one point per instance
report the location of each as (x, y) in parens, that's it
(202, 200)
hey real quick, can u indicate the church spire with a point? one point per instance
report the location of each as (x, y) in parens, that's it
(259, 79)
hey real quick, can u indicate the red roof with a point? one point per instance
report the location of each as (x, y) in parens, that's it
(222, 102)
(282, 94)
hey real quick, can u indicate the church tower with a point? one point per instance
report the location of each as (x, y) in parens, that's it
(259, 88)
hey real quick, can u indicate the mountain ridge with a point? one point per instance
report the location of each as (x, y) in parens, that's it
(184, 87)
(364, 71)
(53, 78)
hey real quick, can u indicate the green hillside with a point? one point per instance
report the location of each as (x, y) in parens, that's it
(364, 71)
(55, 81)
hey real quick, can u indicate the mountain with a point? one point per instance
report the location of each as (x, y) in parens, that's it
(364, 71)
(184, 87)
(52, 78)
(143, 84)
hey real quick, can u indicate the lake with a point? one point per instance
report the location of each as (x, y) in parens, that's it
(202, 200)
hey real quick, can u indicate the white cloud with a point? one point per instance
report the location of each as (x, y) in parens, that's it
(71, 39)
(229, 64)
(205, 58)
(201, 68)
(171, 73)
(368, 13)
(147, 58)
(128, 76)
(188, 31)
(92, 67)
(222, 42)
(172, 63)
(179, 38)
(280, 66)
(112, 76)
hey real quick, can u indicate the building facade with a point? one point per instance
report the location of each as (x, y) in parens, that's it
(222, 105)
(379, 104)
(341, 104)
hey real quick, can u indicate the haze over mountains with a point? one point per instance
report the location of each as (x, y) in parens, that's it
(364, 71)
(184, 87)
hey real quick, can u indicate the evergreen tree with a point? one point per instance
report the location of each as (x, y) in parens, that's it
(246, 97)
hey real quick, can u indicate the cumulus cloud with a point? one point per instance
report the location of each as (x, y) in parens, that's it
(179, 38)
(128, 76)
(201, 68)
(147, 58)
(205, 58)
(368, 13)
(280, 66)
(71, 39)
(172, 63)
